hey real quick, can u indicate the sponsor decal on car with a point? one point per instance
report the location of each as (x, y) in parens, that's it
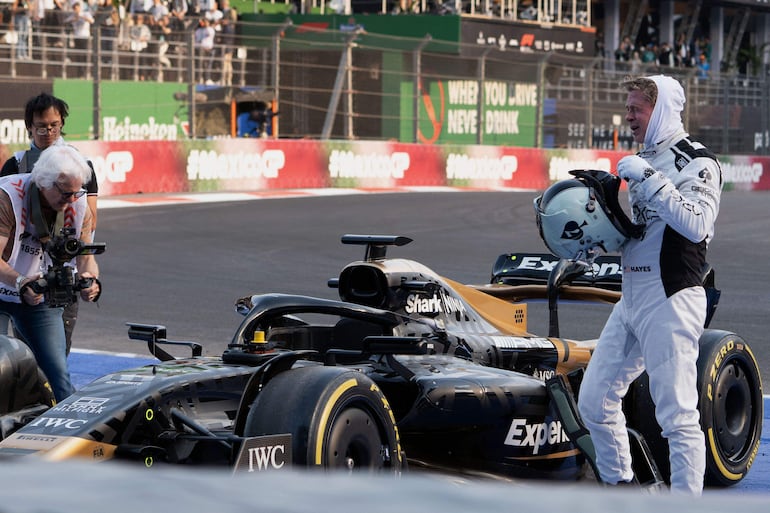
(87, 405)
(57, 422)
(525, 433)
(543, 374)
(603, 268)
(264, 453)
(129, 379)
(438, 303)
(522, 343)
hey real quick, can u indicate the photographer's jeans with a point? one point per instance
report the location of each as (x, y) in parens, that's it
(42, 329)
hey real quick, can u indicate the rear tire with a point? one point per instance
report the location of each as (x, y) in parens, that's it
(730, 404)
(338, 419)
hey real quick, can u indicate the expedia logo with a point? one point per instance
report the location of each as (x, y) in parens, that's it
(573, 231)
(524, 434)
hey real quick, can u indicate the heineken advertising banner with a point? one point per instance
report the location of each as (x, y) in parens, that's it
(130, 111)
(448, 112)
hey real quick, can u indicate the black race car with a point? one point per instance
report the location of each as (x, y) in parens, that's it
(407, 370)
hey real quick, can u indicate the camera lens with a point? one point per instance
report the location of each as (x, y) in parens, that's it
(72, 247)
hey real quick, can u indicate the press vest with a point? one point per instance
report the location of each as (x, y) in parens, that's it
(27, 255)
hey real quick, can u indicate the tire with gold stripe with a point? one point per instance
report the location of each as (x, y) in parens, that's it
(338, 419)
(730, 404)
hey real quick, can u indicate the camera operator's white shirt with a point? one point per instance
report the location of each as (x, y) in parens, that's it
(27, 256)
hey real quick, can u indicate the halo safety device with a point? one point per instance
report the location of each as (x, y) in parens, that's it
(578, 216)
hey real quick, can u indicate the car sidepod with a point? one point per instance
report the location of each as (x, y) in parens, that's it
(473, 418)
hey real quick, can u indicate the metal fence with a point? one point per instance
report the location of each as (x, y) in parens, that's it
(350, 84)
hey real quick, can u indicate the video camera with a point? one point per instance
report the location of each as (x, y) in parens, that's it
(59, 285)
(263, 116)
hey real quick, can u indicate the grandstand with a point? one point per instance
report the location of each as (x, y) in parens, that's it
(369, 69)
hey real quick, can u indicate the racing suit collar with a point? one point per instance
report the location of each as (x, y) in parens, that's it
(666, 118)
(650, 152)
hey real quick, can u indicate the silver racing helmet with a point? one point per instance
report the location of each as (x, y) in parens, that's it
(578, 216)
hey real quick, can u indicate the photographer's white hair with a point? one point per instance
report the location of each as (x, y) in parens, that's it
(60, 160)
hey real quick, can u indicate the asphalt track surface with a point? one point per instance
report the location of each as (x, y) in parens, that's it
(183, 261)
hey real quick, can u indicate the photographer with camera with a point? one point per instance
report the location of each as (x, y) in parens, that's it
(34, 208)
(44, 118)
(257, 122)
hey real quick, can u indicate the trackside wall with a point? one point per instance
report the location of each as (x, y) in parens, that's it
(218, 165)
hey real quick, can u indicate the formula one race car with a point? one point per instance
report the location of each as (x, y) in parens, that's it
(407, 370)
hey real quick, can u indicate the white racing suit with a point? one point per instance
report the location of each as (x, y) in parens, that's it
(657, 323)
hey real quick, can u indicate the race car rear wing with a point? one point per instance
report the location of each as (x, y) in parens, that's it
(535, 269)
(521, 276)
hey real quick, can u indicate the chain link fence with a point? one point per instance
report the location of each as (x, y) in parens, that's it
(352, 85)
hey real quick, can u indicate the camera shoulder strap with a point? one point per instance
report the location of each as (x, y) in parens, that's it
(28, 160)
(24, 164)
(43, 233)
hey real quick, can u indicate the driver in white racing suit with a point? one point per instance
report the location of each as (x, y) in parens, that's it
(674, 190)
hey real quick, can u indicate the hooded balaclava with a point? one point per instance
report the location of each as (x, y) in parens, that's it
(666, 118)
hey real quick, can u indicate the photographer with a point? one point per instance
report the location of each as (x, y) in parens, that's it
(44, 118)
(33, 208)
(257, 122)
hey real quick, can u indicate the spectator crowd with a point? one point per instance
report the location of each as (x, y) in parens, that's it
(656, 57)
(159, 34)
(156, 31)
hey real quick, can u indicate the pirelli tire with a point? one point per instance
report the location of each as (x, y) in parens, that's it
(338, 419)
(730, 405)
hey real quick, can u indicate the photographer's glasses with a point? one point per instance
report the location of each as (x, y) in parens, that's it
(67, 195)
(53, 129)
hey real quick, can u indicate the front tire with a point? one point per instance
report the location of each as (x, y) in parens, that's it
(730, 404)
(338, 419)
(22, 382)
